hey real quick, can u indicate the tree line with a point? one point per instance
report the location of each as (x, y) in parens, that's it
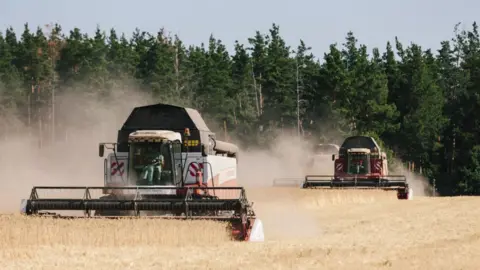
(421, 104)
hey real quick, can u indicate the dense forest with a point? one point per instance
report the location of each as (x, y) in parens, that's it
(421, 104)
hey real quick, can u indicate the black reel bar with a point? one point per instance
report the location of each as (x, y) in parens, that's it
(184, 199)
(389, 182)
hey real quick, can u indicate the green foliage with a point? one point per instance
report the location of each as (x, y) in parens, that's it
(420, 106)
(390, 155)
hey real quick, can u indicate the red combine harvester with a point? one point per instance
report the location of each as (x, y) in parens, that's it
(361, 164)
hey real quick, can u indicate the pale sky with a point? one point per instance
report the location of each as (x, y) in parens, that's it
(318, 23)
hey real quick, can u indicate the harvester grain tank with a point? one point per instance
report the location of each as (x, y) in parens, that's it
(166, 163)
(361, 164)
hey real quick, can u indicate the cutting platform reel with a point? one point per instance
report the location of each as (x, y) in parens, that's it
(391, 182)
(215, 203)
(388, 183)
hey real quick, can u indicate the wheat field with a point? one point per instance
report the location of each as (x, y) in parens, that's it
(304, 229)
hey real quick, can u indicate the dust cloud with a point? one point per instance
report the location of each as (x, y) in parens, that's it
(83, 121)
(285, 158)
(419, 184)
(279, 208)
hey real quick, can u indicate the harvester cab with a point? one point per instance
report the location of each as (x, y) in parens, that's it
(154, 159)
(151, 159)
(166, 163)
(358, 161)
(361, 164)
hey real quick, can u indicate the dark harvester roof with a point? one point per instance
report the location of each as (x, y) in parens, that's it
(165, 116)
(360, 142)
(169, 117)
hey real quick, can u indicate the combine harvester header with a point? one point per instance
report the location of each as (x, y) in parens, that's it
(360, 164)
(166, 163)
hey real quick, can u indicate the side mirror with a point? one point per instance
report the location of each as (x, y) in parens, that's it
(101, 150)
(333, 157)
(204, 153)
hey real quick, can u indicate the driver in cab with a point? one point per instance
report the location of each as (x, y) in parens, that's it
(153, 170)
(358, 166)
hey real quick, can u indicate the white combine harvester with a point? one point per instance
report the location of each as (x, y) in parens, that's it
(166, 163)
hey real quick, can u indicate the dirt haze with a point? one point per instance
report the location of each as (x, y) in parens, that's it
(419, 183)
(279, 208)
(285, 158)
(73, 159)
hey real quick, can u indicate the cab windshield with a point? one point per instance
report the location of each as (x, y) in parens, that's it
(358, 163)
(151, 163)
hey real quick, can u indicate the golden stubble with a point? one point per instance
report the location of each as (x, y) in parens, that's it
(428, 233)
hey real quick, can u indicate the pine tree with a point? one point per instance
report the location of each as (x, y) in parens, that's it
(422, 104)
